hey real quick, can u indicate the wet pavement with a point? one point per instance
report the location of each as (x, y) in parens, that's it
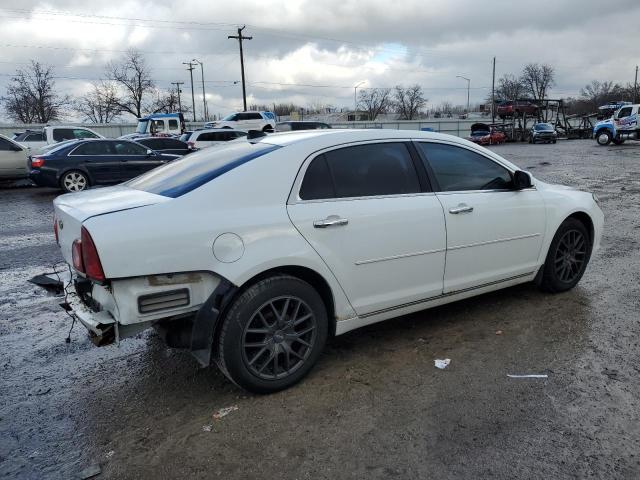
(374, 406)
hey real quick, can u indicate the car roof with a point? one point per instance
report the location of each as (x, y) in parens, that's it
(207, 130)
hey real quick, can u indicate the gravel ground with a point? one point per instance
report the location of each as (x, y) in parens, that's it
(375, 406)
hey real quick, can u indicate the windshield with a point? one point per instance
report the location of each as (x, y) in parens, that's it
(543, 126)
(188, 173)
(229, 118)
(142, 126)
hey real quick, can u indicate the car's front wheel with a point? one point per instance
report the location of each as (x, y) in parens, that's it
(272, 334)
(74, 181)
(603, 137)
(567, 257)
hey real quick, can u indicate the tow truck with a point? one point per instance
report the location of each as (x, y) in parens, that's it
(623, 125)
(158, 125)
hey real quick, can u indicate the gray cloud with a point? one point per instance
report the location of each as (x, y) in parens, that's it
(335, 43)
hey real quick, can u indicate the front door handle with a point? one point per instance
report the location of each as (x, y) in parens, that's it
(331, 221)
(461, 208)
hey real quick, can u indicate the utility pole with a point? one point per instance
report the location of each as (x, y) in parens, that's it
(468, 88)
(177, 84)
(240, 38)
(493, 93)
(193, 95)
(355, 101)
(635, 87)
(204, 97)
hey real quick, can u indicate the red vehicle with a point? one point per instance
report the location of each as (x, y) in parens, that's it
(508, 108)
(484, 134)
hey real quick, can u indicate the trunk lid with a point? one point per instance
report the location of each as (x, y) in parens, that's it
(72, 209)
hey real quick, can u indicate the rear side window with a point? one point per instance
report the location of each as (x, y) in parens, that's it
(5, 145)
(459, 169)
(254, 116)
(92, 148)
(361, 171)
(173, 124)
(173, 143)
(190, 172)
(34, 137)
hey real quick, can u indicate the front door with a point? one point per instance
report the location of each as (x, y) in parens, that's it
(374, 223)
(494, 232)
(13, 160)
(97, 158)
(134, 159)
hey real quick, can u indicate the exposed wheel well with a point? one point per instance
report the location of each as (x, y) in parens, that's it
(313, 278)
(586, 221)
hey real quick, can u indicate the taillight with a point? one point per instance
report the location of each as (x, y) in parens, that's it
(55, 229)
(76, 255)
(85, 256)
(90, 258)
(37, 162)
(191, 145)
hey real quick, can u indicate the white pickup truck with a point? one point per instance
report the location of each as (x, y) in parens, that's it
(35, 139)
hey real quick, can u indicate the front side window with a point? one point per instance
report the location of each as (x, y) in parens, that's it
(624, 112)
(458, 169)
(361, 171)
(128, 148)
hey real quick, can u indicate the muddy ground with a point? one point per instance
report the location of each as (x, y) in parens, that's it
(375, 406)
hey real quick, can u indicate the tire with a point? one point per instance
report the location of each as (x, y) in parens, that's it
(74, 181)
(567, 257)
(603, 137)
(554, 141)
(618, 140)
(268, 129)
(263, 350)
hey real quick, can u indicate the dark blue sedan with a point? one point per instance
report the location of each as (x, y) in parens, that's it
(76, 165)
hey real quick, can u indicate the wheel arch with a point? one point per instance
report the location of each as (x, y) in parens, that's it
(586, 220)
(312, 277)
(62, 172)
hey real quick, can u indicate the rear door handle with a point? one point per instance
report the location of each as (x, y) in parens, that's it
(331, 221)
(461, 208)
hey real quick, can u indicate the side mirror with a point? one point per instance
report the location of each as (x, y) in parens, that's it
(521, 180)
(149, 152)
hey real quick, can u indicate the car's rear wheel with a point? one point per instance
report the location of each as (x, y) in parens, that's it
(272, 334)
(567, 257)
(603, 137)
(74, 181)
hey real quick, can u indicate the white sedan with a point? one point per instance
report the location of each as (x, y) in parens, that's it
(250, 255)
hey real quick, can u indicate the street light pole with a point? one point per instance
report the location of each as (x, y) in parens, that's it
(355, 99)
(240, 38)
(468, 88)
(204, 97)
(193, 95)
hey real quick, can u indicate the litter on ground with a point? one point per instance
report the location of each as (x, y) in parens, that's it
(442, 363)
(223, 412)
(528, 376)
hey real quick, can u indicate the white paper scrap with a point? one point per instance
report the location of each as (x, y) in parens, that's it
(528, 376)
(442, 363)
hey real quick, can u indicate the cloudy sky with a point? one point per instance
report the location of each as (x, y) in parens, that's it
(314, 52)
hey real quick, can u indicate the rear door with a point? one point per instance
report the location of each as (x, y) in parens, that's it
(368, 212)
(97, 158)
(494, 232)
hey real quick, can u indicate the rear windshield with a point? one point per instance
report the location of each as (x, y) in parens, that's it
(188, 173)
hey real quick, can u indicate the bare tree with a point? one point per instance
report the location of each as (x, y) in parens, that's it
(409, 101)
(374, 101)
(166, 101)
(537, 80)
(598, 93)
(133, 77)
(100, 104)
(31, 95)
(510, 87)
